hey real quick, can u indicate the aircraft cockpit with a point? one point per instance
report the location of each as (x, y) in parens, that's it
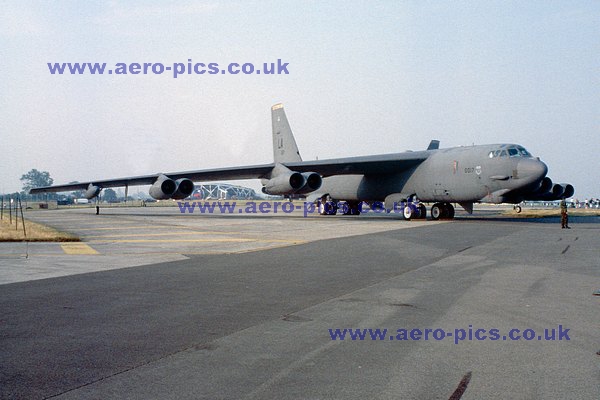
(510, 151)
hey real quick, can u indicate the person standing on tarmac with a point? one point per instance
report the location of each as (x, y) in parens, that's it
(564, 216)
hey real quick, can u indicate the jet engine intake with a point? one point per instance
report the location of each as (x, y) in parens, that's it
(313, 181)
(163, 188)
(545, 186)
(557, 191)
(285, 183)
(185, 187)
(549, 191)
(568, 190)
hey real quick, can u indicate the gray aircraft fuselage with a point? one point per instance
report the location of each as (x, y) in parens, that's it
(459, 174)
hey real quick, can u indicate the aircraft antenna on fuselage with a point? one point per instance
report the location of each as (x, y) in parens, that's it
(434, 145)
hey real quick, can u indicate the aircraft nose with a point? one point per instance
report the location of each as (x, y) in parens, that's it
(531, 169)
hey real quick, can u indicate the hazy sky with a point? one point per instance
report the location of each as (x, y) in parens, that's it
(365, 78)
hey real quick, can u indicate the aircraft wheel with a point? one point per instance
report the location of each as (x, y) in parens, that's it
(345, 208)
(332, 208)
(437, 211)
(518, 209)
(353, 207)
(410, 211)
(327, 206)
(422, 211)
(449, 211)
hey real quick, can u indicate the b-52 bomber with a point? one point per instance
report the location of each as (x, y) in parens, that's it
(494, 173)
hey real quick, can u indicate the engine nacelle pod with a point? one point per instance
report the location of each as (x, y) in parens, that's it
(92, 191)
(557, 191)
(568, 190)
(163, 188)
(545, 186)
(286, 183)
(185, 187)
(313, 182)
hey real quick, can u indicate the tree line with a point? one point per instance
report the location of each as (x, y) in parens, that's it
(35, 178)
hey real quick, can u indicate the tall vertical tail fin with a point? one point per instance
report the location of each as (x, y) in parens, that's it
(284, 144)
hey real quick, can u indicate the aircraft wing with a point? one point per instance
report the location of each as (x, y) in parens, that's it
(218, 174)
(366, 165)
(380, 164)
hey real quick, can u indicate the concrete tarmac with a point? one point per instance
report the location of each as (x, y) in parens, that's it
(165, 318)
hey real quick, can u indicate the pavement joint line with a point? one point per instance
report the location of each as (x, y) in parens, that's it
(77, 248)
(125, 227)
(164, 234)
(264, 248)
(183, 252)
(462, 386)
(23, 255)
(232, 240)
(89, 219)
(83, 226)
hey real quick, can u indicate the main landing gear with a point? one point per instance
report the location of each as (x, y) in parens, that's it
(442, 211)
(351, 208)
(328, 206)
(414, 211)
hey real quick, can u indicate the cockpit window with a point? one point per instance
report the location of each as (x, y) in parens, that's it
(524, 152)
(517, 151)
